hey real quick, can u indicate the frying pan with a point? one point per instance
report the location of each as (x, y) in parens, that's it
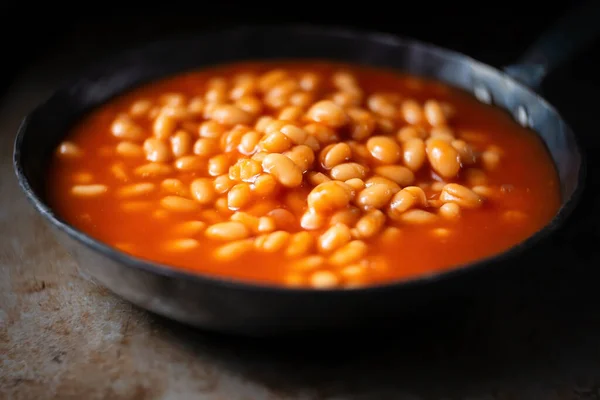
(239, 307)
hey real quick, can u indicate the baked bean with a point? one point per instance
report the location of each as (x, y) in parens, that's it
(274, 241)
(384, 149)
(396, 173)
(119, 172)
(443, 133)
(409, 132)
(243, 88)
(323, 280)
(310, 220)
(450, 210)
(437, 186)
(349, 253)
(283, 169)
(417, 217)
(441, 232)
(275, 142)
(412, 112)
(179, 204)
(414, 154)
(231, 230)
(211, 129)
(334, 238)
(216, 94)
(222, 184)
(419, 194)
(136, 189)
(335, 154)
(316, 178)
(202, 190)
(401, 202)
(174, 186)
(238, 196)
(93, 190)
(295, 202)
(250, 105)
(322, 133)
(444, 158)
(490, 159)
(222, 207)
(124, 128)
(283, 218)
(181, 143)
(370, 224)
(156, 150)
(386, 125)
(172, 99)
(137, 206)
(83, 177)
(249, 170)
(178, 245)
(295, 135)
(461, 195)
(264, 185)
(205, 147)
(153, 169)
(140, 108)
(348, 216)
(350, 170)
(190, 163)
(465, 152)
(271, 78)
(374, 197)
(218, 165)
(301, 99)
(434, 113)
(299, 244)
(475, 177)
(230, 115)
(328, 113)
(248, 142)
(362, 123)
(189, 228)
(130, 149)
(195, 106)
(309, 81)
(234, 250)
(164, 126)
(266, 225)
(347, 99)
(381, 105)
(344, 80)
(393, 186)
(302, 156)
(329, 196)
(247, 219)
(70, 150)
(355, 183)
(484, 191)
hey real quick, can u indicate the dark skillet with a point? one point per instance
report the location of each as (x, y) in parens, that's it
(253, 309)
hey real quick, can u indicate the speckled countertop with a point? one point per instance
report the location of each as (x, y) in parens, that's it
(530, 334)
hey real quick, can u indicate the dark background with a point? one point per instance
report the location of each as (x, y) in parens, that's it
(546, 316)
(493, 32)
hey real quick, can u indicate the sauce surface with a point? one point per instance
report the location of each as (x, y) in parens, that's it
(505, 166)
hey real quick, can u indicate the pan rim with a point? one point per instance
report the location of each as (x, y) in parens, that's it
(148, 266)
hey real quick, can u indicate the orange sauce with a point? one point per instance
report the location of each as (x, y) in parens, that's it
(525, 184)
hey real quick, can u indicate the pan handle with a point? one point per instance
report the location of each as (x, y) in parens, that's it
(572, 33)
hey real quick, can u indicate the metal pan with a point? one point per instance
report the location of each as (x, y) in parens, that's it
(252, 309)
